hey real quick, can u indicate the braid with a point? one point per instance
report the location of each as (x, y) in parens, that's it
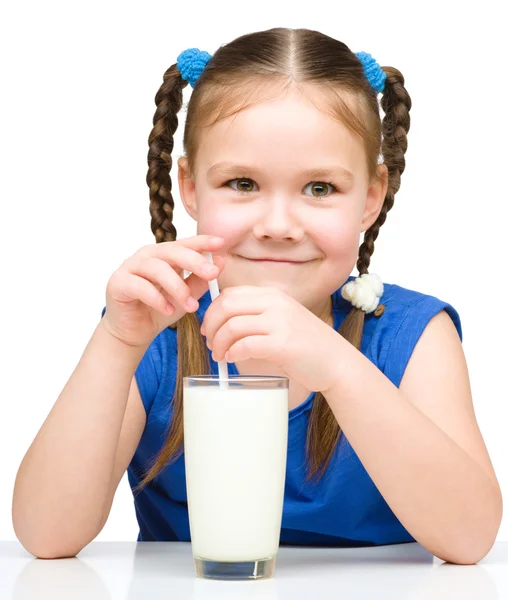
(169, 99)
(396, 104)
(192, 351)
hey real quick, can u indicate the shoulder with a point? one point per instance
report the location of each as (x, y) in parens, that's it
(391, 338)
(412, 310)
(410, 313)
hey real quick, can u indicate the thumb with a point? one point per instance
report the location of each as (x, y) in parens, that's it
(199, 286)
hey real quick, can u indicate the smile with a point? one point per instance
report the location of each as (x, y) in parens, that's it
(275, 262)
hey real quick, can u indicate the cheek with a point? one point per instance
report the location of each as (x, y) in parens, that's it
(222, 219)
(214, 218)
(339, 239)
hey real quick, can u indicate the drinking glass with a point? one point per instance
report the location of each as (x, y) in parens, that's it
(235, 451)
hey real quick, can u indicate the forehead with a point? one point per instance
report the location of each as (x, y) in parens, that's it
(289, 131)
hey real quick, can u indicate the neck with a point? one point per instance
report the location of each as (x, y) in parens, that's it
(326, 314)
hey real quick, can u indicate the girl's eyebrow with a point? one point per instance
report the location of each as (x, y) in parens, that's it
(225, 168)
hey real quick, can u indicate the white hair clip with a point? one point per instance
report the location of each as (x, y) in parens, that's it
(364, 292)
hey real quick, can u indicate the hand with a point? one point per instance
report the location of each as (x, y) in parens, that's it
(265, 323)
(148, 292)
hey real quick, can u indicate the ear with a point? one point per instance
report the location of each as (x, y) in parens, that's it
(187, 188)
(375, 198)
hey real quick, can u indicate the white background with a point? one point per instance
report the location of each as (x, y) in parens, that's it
(79, 80)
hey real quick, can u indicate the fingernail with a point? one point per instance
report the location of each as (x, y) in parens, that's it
(191, 303)
(209, 268)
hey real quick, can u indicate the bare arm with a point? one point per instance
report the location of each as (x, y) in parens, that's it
(421, 445)
(64, 485)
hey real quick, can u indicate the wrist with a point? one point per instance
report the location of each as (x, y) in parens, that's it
(104, 332)
(338, 356)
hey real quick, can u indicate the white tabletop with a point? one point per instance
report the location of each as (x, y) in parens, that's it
(165, 570)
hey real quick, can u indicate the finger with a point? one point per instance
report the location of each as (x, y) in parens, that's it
(235, 329)
(186, 255)
(237, 301)
(159, 272)
(199, 286)
(253, 346)
(139, 288)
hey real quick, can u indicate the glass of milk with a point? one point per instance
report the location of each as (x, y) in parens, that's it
(235, 450)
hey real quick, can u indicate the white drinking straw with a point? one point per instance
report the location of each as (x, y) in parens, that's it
(214, 292)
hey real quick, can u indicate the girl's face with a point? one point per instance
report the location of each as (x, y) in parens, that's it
(254, 186)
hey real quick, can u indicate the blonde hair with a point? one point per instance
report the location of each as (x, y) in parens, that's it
(233, 79)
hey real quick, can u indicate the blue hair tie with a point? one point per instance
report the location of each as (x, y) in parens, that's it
(192, 61)
(373, 71)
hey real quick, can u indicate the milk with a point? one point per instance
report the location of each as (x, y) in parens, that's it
(235, 448)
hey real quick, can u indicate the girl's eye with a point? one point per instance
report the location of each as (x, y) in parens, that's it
(246, 188)
(318, 186)
(317, 191)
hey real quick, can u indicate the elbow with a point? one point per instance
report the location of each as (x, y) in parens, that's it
(478, 542)
(48, 550)
(47, 541)
(469, 553)
(469, 557)
(50, 553)
(51, 548)
(48, 545)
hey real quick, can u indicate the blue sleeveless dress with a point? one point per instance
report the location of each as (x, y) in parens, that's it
(345, 508)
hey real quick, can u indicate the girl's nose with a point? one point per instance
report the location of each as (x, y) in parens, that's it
(278, 221)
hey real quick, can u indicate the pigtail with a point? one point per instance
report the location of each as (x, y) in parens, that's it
(192, 351)
(323, 432)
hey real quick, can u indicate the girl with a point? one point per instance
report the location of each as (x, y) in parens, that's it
(281, 141)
